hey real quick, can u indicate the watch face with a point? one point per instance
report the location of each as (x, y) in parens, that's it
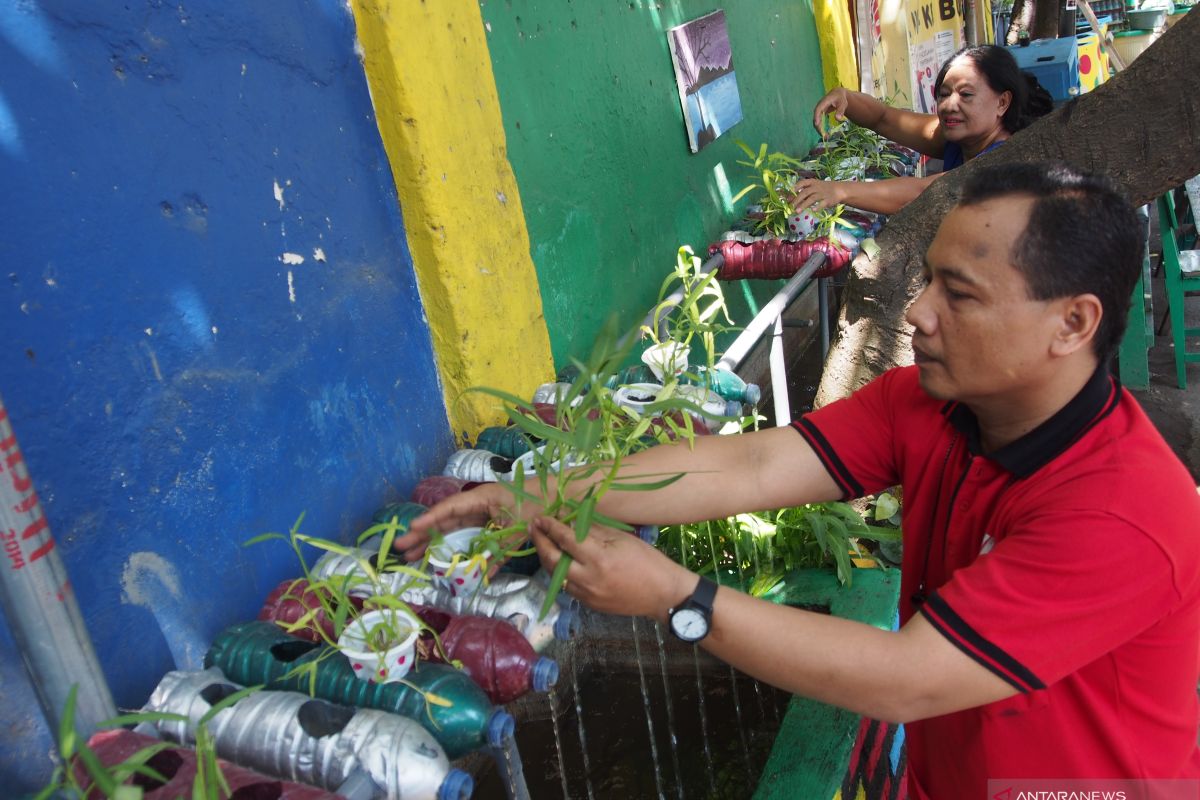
(689, 624)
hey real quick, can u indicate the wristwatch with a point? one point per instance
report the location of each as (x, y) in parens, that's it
(691, 621)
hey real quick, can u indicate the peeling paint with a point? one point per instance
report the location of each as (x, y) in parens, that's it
(291, 288)
(278, 190)
(151, 582)
(318, 254)
(292, 258)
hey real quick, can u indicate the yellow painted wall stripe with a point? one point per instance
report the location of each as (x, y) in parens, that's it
(435, 98)
(838, 65)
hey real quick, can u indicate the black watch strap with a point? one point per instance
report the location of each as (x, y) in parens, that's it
(703, 597)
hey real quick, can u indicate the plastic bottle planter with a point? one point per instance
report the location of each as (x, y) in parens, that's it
(432, 490)
(178, 766)
(638, 396)
(508, 442)
(404, 513)
(516, 599)
(775, 258)
(295, 737)
(801, 224)
(381, 646)
(453, 568)
(666, 358)
(482, 466)
(528, 464)
(712, 405)
(637, 373)
(509, 597)
(254, 653)
(725, 383)
(551, 392)
(292, 601)
(492, 652)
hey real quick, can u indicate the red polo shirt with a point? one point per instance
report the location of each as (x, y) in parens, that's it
(1067, 563)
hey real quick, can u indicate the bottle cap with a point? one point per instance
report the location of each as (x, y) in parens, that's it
(457, 785)
(567, 624)
(545, 674)
(500, 727)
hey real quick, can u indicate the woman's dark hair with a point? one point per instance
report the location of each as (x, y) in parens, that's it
(1082, 237)
(1000, 70)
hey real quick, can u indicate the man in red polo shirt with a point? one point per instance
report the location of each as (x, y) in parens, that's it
(1050, 601)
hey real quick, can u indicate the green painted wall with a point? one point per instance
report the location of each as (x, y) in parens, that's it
(597, 142)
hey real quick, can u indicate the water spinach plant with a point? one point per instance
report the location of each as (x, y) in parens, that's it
(758, 550)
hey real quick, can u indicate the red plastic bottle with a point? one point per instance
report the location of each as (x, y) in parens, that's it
(290, 601)
(178, 766)
(430, 491)
(493, 652)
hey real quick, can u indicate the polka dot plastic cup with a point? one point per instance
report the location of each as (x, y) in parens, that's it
(381, 645)
(453, 568)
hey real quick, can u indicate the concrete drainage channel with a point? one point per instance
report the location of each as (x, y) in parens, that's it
(638, 714)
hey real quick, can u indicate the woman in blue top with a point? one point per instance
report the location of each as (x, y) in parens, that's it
(983, 98)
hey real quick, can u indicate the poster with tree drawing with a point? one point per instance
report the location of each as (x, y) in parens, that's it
(704, 74)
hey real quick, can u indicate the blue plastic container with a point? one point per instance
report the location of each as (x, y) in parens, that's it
(1054, 62)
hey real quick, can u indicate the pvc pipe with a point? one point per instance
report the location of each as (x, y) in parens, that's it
(713, 263)
(823, 312)
(740, 348)
(779, 388)
(39, 602)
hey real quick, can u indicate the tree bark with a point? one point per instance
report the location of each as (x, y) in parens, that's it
(1141, 128)
(1023, 12)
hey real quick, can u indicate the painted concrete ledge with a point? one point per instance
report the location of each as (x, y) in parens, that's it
(820, 750)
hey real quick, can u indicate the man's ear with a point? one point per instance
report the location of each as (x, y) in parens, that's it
(1078, 322)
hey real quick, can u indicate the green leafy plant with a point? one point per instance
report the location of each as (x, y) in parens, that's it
(80, 774)
(375, 583)
(698, 311)
(774, 177)
(757, 550)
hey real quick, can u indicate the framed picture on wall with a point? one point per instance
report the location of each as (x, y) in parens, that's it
(704, 73)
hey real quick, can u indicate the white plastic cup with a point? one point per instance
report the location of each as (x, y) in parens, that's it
(462, 577)
(372, 664)
(666, 359)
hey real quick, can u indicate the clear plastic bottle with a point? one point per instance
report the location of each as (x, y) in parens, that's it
(482, 466)
(296, 737)
(510, 597)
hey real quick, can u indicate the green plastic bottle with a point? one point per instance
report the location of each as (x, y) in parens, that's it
(723, 382)
(253, 653)
(504, 441)
(404, 512)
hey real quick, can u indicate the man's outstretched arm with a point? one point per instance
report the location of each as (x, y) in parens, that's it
(898, 676)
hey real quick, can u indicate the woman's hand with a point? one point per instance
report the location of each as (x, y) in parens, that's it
(834, 103)
(613, 571)
(817, 194)
(470, 509)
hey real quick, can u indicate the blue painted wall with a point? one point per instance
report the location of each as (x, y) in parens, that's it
(178, 385)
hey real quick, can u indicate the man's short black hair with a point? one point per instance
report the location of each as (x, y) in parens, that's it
(1083, 237)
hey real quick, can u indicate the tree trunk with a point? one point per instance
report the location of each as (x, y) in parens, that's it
(1045, 19)
(1141, 128)
(1023, 12)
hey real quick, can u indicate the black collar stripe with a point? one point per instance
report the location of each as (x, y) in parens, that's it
(833, 465)
(965, 638)
(1098, 398)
